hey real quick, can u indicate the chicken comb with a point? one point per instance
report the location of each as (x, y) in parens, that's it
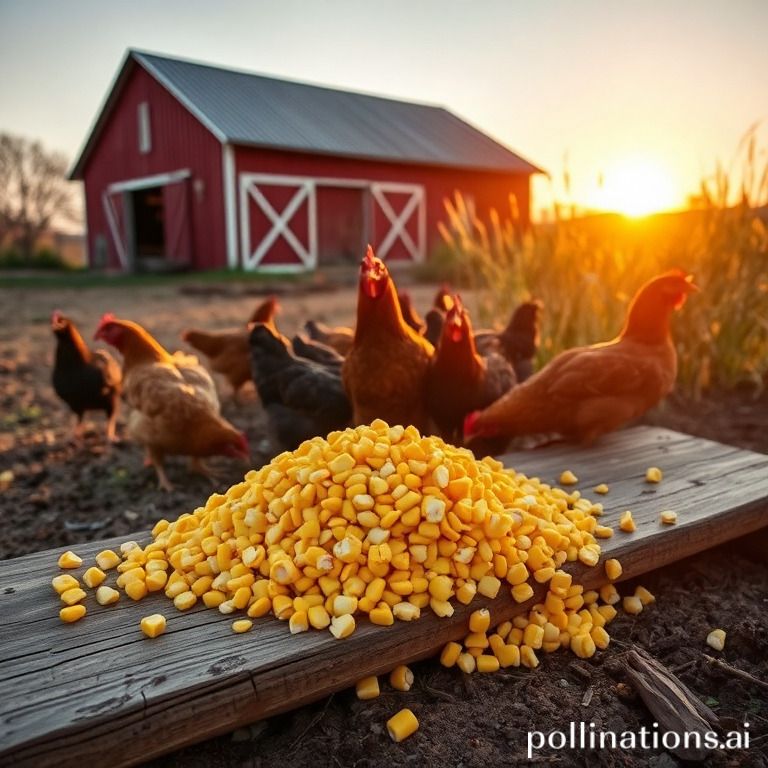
(469, 423)
(107, 317)
(457, 307)
(57, 316)
(369, 260)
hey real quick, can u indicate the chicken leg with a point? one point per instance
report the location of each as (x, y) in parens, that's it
(156, 459)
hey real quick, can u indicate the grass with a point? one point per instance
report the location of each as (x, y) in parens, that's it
(587, 270)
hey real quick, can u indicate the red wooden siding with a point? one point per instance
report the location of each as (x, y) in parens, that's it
(179, 141)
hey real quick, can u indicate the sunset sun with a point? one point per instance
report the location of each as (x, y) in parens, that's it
(636, 187)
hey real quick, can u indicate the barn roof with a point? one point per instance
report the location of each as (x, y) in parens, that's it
(250, 109)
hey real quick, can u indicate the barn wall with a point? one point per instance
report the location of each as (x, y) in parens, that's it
(178, 141)
(489, 190)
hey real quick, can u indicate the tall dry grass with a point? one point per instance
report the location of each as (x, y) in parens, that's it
(586, 271)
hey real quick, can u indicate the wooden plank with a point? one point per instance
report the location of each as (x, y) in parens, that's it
(71, 692)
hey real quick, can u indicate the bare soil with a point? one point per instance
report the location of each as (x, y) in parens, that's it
(63, 494)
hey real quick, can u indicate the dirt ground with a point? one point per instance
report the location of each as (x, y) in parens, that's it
(63, 494)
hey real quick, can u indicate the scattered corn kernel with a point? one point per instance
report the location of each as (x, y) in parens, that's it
(602, 488)
(107, 559)
(450, 654)
(632, 605)
(401, 678)
(568, 478)
(153, 625)
(70, 560)
(716, 639)
(668, 517)
(107, 595)
(72, 613)
(242, 625)
(653, 475)
(645, 597)
(342, 626)
(368, 688)
(480, 620)
(402, 725)
(93, 577)
(626, 522)
(72, 596)
(613, 569)
(64, 582)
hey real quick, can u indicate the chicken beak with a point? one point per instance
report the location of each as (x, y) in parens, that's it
(691, 287)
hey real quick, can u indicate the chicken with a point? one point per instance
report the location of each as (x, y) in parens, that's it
(317, 352)
(385, 371)
(443, 298)
(302, 398)
(410, 315)
(434, 320)
(85, 380)
(227, 353)
(174, 401)
(338, 338)
(265, 311)
(518, 342)
(587, 391)
(459, 379)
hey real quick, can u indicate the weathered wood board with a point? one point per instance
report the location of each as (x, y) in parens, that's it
(72, 694)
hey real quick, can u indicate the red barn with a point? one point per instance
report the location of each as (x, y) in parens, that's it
(193, 166)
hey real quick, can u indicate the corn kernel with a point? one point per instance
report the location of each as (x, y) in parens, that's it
(626, 523)
(153, 625)
(486, 663)
(367, 688)
(450, 654)
(508, 656)
(299, 622)
(480, 620)
(406, 611)
(489, 586)
(382, 615)
(402, 725)
(522, 592)
(613, 569)
(107, 559)
(668, 517)
(342, 626)
(93, 577)
(602, 488)
(107, 595)
(401, 678)
(242, 625)
(645, 597)
(70, 560)
(653, 475)
(64, 582)
(568, 478)
(632, 605)
(528, 657)
(466, 663)
(185, 600)
(72, 613)
(716, 639)
(72, 596)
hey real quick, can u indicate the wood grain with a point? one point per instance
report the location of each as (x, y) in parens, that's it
(73, 692)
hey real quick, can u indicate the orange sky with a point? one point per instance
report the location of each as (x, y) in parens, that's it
(645, 95)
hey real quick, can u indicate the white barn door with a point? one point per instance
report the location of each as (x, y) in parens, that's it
(412, 212)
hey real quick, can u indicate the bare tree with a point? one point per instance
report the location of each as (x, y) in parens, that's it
(33, 191)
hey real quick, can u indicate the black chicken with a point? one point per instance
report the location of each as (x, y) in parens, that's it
(302, 398)
(317, 352)
(85, 380)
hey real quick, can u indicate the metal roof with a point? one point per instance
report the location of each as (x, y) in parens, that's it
(250, 109)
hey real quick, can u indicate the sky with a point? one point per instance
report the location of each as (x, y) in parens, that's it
(645, 96)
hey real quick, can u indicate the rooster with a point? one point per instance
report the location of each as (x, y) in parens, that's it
(174, 401)
(518, 342)
(85, 380)
(585, 392)
(459, 379)
(385, 371)
(339, 338)
(302, 398)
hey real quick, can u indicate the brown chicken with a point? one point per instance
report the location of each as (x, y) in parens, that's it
(459, 379)
(174, 401)
(228, 351)
(384, 373)
(410, 315)
(588, 391)
(339, 338)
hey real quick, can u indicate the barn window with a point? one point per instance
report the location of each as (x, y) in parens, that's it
(145, 133)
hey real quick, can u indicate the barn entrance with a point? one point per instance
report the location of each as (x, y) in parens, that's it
(148, 229)
(342, 224)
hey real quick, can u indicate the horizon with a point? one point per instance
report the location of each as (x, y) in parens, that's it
(625, 107)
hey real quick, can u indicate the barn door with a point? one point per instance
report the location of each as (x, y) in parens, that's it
(399, 220)
(116, 213)
(178, 239)
(278, 222)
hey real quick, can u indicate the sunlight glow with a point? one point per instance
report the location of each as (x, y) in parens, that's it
(637, 186)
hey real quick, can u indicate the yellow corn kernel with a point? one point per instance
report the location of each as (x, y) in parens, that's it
(533, 636)
(626, 523)
(401, 678)
(72, 596)
(568, 478)
(185, 600)
(522, 592)
(632, 605)
(261, 606)
(645, 597)
(402, 725)
(583, 645)
(382, 615)
(603, 532)
(318, 617)
(528, 657)
(602, 488)
(70, 560)
(93, 577)
(282, 607)
(406, 611)
(653, 475)
(441, 588)
(213, 599)
(466, 592)
(342, 626)
(242, 625)
(508, 656)
(489, 586)
(480, 620)
(107, 559)
(156, 580)
(589, 556)
(153, 625)
(72, 613)
(716, 639)
(107, 595)
(476, 640)
(466, 663)
(517, 574)
(613, 569)
(367, 688)
(668, 517)
(299, 622)
(450, 654)
(608, 612)
(486, 663)
(600, 637)
(64, 582)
